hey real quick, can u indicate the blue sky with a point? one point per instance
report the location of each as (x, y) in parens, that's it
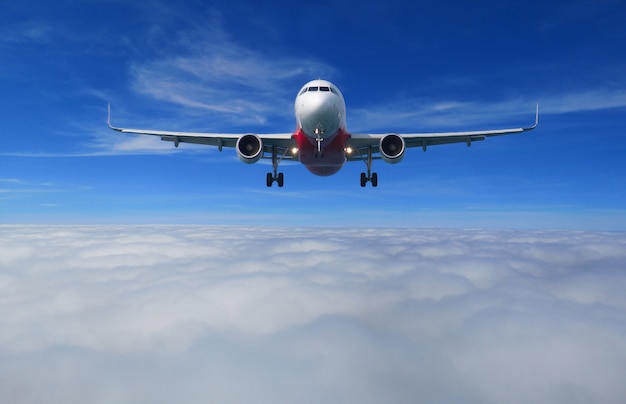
(235, 66)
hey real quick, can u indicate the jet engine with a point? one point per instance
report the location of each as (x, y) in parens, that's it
(392, 148)
(249, 148)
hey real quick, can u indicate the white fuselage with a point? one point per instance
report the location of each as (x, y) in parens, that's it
(320, 110)
(321, 134)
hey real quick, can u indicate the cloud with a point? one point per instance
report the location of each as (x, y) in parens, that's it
(12, 188)
(26, 33)
(218, 83)
(211, 73)
(593, 100)
(234, 314)
(214, 84)
(438, 115)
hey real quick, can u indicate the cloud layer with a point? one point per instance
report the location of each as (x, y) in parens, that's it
(232, 314)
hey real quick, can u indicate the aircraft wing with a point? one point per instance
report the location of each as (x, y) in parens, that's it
(425, 140)
(282, 141)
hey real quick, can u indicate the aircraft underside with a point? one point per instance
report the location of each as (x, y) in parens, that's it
(326, 161)
(323, 158)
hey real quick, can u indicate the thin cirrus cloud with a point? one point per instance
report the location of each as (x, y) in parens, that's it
(437, 115)
(234, 84)
(163, 313)
(236, 97)
(226, 85)
(218, 75)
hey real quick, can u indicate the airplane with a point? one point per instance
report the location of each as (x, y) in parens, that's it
(321, 141)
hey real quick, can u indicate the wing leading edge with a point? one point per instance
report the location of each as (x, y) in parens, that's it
(424, 140)
(282, 141)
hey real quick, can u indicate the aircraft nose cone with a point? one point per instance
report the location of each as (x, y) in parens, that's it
(320, 117)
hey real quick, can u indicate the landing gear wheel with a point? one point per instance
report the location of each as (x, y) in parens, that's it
(280, 180)
(373, 178)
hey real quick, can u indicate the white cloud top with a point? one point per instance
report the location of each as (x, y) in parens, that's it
(232, 314)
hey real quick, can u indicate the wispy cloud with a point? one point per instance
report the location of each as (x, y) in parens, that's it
(26, 33)
(591, 100)
(10, 188)
(366, 315)
(212, 73)
(220, 84)
(12, 181)
(429, 114)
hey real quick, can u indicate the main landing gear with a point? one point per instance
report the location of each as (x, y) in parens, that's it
(280, 179)
(275, 175)
(370, 176)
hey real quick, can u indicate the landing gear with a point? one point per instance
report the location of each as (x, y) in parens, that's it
(319, 153)
(370, 176)
(373, 178)
(280, 179)
(275, 175)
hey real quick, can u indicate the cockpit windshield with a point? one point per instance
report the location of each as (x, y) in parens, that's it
(319, 88)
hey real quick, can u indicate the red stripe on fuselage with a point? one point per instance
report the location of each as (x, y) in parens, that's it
(332, 156)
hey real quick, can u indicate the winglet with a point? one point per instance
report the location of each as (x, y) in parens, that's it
(109, 119)
(536, 120)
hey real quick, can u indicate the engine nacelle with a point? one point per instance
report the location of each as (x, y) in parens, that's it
(392, 148)
(249, 148)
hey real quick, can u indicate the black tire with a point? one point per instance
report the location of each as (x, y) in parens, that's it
(269, 179)
(374, 179)
(363, 179)
(281, 180)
